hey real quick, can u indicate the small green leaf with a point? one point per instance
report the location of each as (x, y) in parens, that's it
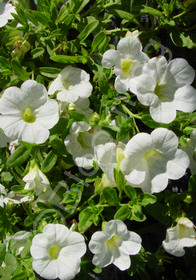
(89, 28)
(49, 162)
(137, 214)
(19, 156)
(148, 198)
(124, 15)
(19, 71)
(2, 252)
(131, 193)
(37, 52)
(151, 11)
(49, 72)
(69, 59)
(119, 179)
(123, 213)
(78, 116)
(85, 219)
(110, 196)
(98, 41)
(147, 120)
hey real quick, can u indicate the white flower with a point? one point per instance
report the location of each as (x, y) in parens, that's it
(19, 240)
(71, 83)
(180, 236)
(150, 160)
(128, 60)
(3, 139)
(27, 113)
(109, 157)
(165, 87)
(81, 105)
(13, 197)
(36, 180)
(57, 252)
(3, 193)
(114, 245)
(5, 13)
(81, 141)
(191, 151)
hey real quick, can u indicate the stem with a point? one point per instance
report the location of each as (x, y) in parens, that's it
(179, 15)
(126, 110)
(116, 30)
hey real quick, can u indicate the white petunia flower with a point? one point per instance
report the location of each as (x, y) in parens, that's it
(180, 236)
(81, 141)
(191, 152)
(3, 139)
(166, 87)
(114, 245)
(81, 106)
(27, 113)
(6, 11)
(151, 159)
(36, 180)
(128, 61)
(12, 197)
(109, 157)
(3, 193)
(19, 240)
(57, 252)
(71, 83)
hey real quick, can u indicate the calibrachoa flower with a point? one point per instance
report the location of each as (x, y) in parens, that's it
(81, 141)
(151, 159)
(71, 83)
(180, 236)
(191, 152)
(114, 245)
(57, 252)
(109, 157)
(28, 113)
(36, 180)
(5, 13)
(128, 61)
(19, 240)
(165, 87)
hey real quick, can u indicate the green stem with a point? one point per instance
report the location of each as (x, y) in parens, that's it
(179, 15)
(133, 116)
(116, 30)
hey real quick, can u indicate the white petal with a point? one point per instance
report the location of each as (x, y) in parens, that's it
(123, 262)
(67, 268)
(176, 167)
(121, 85)
(97, 243)
(46, 268)
(131, 246)
(129, 46)
(163, 112)
(181, 71)
(185, 99)
(33, 133)
(103, 260)
(110, 58)
(47, 115)
(55, 86)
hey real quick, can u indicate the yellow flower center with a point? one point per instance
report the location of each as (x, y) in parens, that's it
(127, 65)
(150, 154)
(54, 251)
(28, 115)
(113, 242)
(158, 91)
(81, 140)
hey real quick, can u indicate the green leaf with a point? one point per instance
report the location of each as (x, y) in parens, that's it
(10, 260)
(2, 252)
(119, 179)
(86, 218)
(147, 120)
(137, 214)
(37, 17)
(49, 72)
(49, 162)
(151, 11)
(148, 198)
(123, 213)
(110, 196)
(37, 52)
(98, 41)
(69, 59)
(19, 156)
(131, 193)
(57, 144)
(20, 274)
(124, 15)
(89, 28)
(19, 71)
(78, 116)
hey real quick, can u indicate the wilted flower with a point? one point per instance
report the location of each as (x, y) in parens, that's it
(5, 13)
(57, 252)
(81, 141)
(150, 160)
(27, 113)
(165, 87)
(127, 60)
(114, 245)
(180, 236)
(71, 84)
(109, 157)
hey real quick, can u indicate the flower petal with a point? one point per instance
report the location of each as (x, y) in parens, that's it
(110, 58)
(185, 99)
